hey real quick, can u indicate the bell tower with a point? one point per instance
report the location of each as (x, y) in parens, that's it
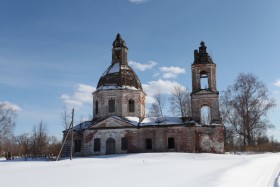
(204, 96)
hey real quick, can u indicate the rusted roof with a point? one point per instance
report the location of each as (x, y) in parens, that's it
(119, 75)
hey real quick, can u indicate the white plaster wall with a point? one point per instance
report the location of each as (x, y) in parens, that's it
(104, 135)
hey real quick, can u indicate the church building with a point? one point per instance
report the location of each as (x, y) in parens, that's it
(119, 123)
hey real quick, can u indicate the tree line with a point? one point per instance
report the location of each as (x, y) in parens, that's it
(35, 144)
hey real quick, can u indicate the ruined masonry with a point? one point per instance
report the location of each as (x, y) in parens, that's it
(119, 124)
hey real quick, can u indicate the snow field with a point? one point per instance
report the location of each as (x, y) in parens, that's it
(148, 169)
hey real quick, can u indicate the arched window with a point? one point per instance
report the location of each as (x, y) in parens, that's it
(205, 115)
(111, 104)
(96, 107)
(204, 83)
(131, 106)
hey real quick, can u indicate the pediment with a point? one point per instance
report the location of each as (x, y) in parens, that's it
(112, 122)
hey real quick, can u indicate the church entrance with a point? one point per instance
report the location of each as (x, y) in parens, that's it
(110, 146)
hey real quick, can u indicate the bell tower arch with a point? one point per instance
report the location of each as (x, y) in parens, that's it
(204, 91)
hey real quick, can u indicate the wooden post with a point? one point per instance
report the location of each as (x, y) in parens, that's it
(71, 154)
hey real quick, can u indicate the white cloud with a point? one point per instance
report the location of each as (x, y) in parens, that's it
(162, 86)
(137, 1)
(171, 72)
(142, 67)
(149, 99)
(156, 74)
(8, 105)
(169, 75)
(277, 83)
(81, 96)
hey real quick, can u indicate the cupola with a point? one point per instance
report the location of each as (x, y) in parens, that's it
(119, 74)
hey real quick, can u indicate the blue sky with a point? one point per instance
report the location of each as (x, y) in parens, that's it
(53, 52)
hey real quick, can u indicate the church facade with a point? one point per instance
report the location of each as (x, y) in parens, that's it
(119, 124)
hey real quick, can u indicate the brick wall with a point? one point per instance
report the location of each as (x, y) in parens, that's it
(186, 139)
(121, 105)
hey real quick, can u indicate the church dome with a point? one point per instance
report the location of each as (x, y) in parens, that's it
(119, 74)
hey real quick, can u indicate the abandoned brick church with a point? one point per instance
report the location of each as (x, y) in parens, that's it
(119, 124)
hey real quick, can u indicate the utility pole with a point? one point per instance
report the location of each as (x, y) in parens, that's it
(71, 154)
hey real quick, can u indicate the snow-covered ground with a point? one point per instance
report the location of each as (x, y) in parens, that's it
(149, 169)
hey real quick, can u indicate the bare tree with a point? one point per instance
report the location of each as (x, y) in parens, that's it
(53, 146)
(245, 105)
(180, 101)
(157, 107)
(82, 119)
(7, 120)
(39, 139)
(36, 144)
(154, 110)
(23, 142)
(65, 116)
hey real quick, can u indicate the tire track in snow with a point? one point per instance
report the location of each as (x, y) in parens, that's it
(259, 171)
(277, 179)
(274, 180)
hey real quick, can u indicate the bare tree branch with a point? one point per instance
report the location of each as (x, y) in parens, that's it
(65, 116)
(156, 109)
(180, 101)
(7, 120)
(245, 105)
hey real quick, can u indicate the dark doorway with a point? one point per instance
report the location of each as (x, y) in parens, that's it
(149, 144)
(78, 145)
(110, 146)
(171, 144)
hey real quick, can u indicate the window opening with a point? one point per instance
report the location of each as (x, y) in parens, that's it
(149, 145)
(96, 145)
(96, 107)
(205, 115)
(78, 144)
(171, 143)
(111, 104)
(204, 82)
(124, 143)
(131, 106)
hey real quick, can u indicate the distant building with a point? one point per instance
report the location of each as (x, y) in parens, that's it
(120, 126)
